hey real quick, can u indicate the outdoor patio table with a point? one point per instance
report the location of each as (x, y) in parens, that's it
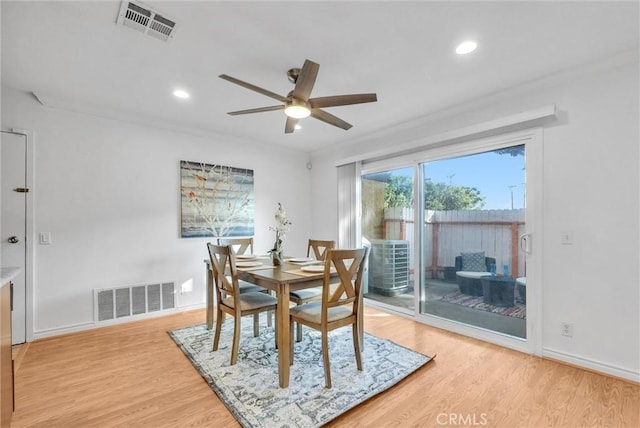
(498, 290)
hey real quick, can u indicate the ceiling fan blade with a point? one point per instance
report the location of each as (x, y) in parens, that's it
(330, 119)
(290, 126)
(306, 80)
(257, 110)
(342, 100)
(254, 88)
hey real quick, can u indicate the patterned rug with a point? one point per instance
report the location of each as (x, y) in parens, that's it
(517, 311)
(250, 388)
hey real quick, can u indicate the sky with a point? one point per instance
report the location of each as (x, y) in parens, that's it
(491, 173)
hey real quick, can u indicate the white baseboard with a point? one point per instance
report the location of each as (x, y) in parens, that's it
(41, 334)
(508, 342)
(596, 366)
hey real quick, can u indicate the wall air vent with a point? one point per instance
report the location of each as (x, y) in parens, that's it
(145, 20)
(111, 304)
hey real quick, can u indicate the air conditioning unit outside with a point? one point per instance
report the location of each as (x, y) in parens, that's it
(389, 263)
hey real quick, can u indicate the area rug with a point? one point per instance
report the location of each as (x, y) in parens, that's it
(476, 302)
(250, 388)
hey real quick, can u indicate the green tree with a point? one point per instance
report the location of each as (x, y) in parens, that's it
(447, 197)
(398, 192)
(513, 151)
(438, 196)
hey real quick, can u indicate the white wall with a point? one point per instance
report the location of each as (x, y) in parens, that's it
(109, 193)
(590, 186)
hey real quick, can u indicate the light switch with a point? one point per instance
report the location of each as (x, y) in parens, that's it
(566, 237)
(45, 238)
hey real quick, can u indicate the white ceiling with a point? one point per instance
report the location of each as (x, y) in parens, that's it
(74, 55)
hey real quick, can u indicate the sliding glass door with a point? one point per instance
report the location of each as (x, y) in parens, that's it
(388, 229)
(451, 234)
(474, 269)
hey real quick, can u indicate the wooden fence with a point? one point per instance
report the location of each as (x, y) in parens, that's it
(449, 233)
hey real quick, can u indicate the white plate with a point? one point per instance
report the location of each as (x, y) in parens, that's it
(300, 260)
(248, 264)
(245, 256)
(312, 268)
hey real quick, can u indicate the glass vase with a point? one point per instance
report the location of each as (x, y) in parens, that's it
(276, 258)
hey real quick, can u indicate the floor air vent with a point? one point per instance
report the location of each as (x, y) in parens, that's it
(115, 303)
(141, 18)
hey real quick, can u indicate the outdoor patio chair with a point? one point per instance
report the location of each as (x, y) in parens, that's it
(469, 268)
(521, 283)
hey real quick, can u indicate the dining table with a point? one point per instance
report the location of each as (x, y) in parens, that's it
(282, 279)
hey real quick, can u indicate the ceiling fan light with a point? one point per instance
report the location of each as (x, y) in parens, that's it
(466, 47)
(297, 111)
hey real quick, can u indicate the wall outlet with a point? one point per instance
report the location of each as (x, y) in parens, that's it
(566, 329)
(45, 238)
(186, 287)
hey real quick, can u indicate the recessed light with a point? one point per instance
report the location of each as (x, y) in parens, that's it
(466, 47)
(180, 93)
(298, 126)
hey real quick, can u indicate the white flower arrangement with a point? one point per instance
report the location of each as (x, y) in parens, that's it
(281, 228)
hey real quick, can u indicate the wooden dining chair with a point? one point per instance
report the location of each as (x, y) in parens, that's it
(229, 300)
(244, 246)
(240, 245)
(319, 250)
(340, 305)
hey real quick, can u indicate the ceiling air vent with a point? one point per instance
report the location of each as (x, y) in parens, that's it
(141, 18)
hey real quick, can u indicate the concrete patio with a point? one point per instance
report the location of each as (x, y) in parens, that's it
(432, 304)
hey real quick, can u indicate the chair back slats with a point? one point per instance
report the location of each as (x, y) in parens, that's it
(224, 270)
(240, 245)
(341, 303)
(319, 248)
(349, 265)
(231, 301)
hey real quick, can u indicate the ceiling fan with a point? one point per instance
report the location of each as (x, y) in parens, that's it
(298, 104)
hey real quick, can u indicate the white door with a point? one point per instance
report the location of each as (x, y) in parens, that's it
(13, 231)
(483, 196)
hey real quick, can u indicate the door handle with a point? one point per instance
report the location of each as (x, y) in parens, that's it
(13, 239)
(525, 242)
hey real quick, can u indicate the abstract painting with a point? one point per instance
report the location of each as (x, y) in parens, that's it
(216, 200)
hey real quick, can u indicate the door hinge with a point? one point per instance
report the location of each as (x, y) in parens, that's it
(21, 190)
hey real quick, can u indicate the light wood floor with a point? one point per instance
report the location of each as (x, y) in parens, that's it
(134, 375)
